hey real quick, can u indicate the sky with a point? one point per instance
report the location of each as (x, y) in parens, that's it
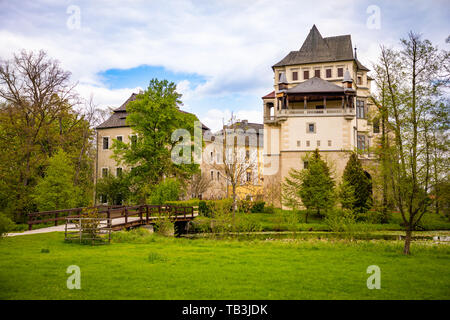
(219, 53)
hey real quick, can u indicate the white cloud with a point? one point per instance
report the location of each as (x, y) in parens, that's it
(232, 44)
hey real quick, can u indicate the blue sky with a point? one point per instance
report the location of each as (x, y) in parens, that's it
(219, 53)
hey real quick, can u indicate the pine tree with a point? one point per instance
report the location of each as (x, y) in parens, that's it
(56, 190)
(313, 186)
(356, 178)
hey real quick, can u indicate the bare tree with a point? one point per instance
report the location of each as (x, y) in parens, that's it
(200, 182)
(238, 156)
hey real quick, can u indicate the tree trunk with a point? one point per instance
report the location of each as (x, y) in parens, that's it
(306, 216)
(407, 241)
(234, 202)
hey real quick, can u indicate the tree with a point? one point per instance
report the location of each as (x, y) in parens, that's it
(37, 117)
(56, 190)
(355, 176)
(154, 116)
(199, 183)
(235, 162)
(313, 186)
(116, 189)
(167, 190)
(412, 83)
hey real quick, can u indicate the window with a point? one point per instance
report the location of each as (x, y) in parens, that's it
(328, 71)
(295, 76)
(317, 73)
(376, 126)
(104, 172)
(133, 139)
(318, 143)
(247, 155)
(307, 143)
(305, 164)
(298, 143)
(329, 143)
(306, 74)
(103, 198)
(249, 176)
(212, 175)
(105, 143)
(340, 72)
(118, 172)
(119, 138)
(212, 156)
(359, 80)
(360, 109)
(362, 143)
(218, 175)
(311, 128)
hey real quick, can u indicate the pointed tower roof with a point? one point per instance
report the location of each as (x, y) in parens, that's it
(315, 48)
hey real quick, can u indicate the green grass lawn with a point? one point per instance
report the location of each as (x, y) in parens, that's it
(137, 266)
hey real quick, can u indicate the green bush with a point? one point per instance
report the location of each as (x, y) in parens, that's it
(247, 223)
(6, 224)
(168, 190)
(184, 203)
(244, 206)
(258, 206)
(223, 206)
(203, 208)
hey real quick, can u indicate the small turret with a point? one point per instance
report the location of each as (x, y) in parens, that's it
(347, 82)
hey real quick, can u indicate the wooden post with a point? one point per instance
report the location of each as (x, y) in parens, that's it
(108, 216)
(30, 225)
(126, 215)
(324, 102)
(146, 214)
(56, 218)
(305, 104)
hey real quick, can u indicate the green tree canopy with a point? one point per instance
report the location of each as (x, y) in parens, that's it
(56, 189)
(154, 116)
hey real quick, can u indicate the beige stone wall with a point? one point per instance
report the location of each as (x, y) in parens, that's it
(104, 159)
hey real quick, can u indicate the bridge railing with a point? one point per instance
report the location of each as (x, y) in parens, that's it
(146, 213)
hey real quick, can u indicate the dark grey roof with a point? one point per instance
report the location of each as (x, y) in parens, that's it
(360, 66)
(123, 107)
(117, 119)
(314, 85)
(319, 49)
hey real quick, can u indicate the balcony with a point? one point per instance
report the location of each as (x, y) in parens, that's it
(348, 113)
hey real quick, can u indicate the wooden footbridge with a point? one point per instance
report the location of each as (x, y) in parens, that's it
(119, 217)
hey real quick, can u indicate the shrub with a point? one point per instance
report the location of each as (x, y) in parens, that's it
(203, 208)
(164, 227)
(168, 190)
(244, 206)
(373, 217)
(247, 223)
(258, 206)
(184, 203)
(6, 224)
(339, 220)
